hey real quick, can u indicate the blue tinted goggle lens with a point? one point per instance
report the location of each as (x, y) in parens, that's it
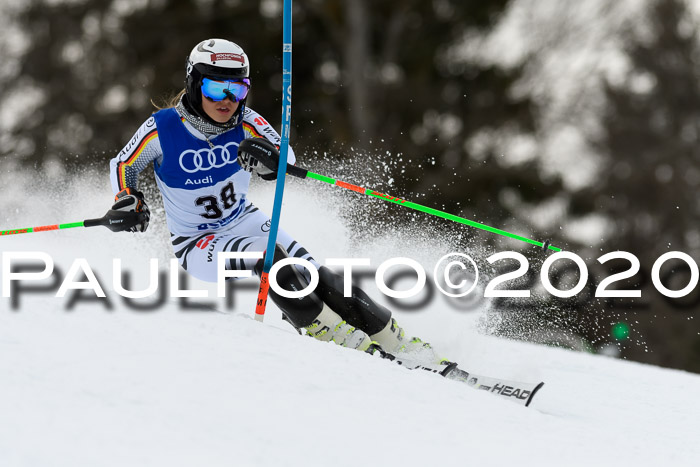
(220, 90)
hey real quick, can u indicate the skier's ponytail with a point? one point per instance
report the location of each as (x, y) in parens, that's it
(168, 102)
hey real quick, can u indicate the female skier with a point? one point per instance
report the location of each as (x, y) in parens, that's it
(203, 178)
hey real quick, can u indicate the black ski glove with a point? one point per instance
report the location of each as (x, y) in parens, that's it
(259, 155)
(129, 213)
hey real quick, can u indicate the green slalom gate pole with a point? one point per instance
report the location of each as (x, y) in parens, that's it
(303, 173)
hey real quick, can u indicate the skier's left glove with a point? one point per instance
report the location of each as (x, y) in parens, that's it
(259, 155)
(129, 213)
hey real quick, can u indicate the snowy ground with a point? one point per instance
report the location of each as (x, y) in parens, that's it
(94, 386)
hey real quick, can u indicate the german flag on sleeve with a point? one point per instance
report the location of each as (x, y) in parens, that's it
(251, 131)
(125, 165)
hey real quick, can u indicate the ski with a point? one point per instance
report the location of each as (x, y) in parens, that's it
(516, 391)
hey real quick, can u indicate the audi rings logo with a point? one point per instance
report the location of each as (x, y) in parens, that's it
(192, 161)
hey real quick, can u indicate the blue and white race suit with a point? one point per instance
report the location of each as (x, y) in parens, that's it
(204, 189)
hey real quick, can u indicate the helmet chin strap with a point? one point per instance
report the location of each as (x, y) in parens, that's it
(200, 120)
(206, 125)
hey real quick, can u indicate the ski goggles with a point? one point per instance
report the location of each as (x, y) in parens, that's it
(218, 90)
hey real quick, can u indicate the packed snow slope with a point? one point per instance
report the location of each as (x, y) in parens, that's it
(98, 383)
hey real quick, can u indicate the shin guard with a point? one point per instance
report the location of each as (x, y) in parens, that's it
(301, 311)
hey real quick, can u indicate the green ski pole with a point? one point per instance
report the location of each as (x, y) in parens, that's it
(303, 173)
(112, 221)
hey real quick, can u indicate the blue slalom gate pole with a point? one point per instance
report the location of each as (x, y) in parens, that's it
(284, 152)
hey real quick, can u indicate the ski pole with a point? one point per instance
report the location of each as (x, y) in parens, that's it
(43, 228)
(303, 173)
(284, 150)
(113, 221)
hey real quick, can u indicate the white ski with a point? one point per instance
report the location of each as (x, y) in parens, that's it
(516, 391)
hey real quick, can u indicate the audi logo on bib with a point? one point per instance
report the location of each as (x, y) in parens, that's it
(192, 161)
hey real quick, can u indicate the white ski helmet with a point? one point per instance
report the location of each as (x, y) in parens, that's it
(215, 59)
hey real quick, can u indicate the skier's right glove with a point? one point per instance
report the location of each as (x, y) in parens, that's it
(129, 213)
(259, 155)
